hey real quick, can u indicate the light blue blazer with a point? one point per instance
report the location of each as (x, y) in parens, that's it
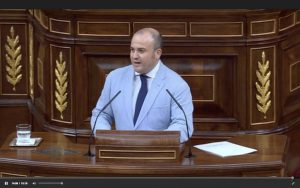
(159, 111)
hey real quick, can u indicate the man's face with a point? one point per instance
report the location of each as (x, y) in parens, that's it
(142, 54)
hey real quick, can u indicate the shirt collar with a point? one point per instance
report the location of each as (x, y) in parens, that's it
(152, 73)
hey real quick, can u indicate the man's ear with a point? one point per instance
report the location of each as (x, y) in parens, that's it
(158, 53)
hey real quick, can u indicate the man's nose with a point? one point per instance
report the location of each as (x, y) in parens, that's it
(135, 55)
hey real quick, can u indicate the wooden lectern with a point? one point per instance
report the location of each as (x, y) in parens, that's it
(138, 146)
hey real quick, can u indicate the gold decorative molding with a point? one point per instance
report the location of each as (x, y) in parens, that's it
(292, 16)
(61, 84)
(218, 27)
(30, 11)
(7, 174)
(171, 152)
(252, 23)
(88, 28)
(179, 29)
(31, 67)
(40, 75)
(13, 59)
(297, 17)
(263, 87)
(41, 18)
(54, 30)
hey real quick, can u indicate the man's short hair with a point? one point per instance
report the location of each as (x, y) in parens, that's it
(158, 42)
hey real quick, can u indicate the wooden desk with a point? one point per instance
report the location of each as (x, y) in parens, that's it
(57, 156)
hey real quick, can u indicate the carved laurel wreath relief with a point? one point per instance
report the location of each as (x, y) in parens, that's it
(13, 59)
(263, 86)
(61, 85)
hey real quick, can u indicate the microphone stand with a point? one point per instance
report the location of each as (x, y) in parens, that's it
(89, 153)
(190, 154)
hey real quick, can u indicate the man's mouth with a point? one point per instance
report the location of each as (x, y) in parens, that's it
(137, 63)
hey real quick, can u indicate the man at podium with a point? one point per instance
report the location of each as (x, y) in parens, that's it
(141, 95)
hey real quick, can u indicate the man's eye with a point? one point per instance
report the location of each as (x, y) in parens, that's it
(141, 50)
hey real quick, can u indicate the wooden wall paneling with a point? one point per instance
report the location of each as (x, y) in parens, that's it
(214, 91)
(12, 113)
(211, 82)
(262, 90)
(47, 92)
(279, 89)
(219, 106)
(287, 21)
(294, 76)
(166, 29)
(92, 64)
(13, 103)
(112, 28)
(290, 80)
(263, 27)
(42, 18)
(81, 94)
(60, 26)
(16, 51)
(56, 88)
(216, 29)
(1, 63)
(292, 154)
(41, 77)
(40, 60)
(216, 52)
(13, 173)
(241, 92)
(98, 69)
(297, 17)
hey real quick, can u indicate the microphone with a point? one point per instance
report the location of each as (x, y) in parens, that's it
(89, 153)
(190, 154)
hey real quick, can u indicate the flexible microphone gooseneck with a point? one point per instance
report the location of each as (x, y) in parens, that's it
(89, 153)
(190, 154)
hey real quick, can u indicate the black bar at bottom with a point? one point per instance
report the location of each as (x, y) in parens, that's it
(164, 182)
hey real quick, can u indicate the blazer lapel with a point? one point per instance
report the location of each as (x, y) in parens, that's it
(155, 89)
(128, 88)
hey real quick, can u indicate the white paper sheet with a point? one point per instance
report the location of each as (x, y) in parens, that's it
(225, 148)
